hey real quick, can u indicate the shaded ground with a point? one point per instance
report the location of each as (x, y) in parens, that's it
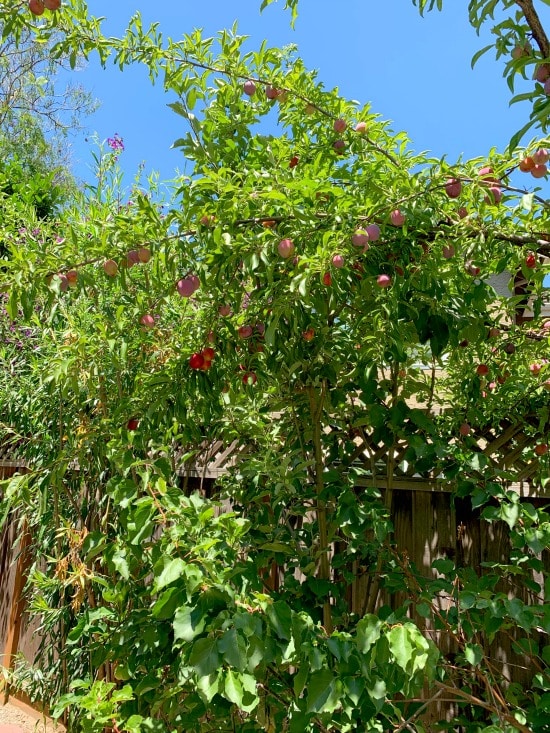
(18, 718)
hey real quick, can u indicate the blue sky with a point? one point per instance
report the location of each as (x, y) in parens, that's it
(415, 71)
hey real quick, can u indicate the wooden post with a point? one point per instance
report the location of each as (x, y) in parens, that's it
(17, 604)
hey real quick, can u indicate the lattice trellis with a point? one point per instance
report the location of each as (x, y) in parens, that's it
(505, 449)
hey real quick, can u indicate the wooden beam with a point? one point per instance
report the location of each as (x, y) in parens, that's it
(524, 489)
(17, 604)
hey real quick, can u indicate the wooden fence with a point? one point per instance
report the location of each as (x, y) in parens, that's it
(429, 523)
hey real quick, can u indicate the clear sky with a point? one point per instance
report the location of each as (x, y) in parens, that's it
(415, 71)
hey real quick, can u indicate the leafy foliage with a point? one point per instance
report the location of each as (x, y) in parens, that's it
(342, 288)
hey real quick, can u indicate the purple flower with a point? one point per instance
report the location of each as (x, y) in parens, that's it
(116, 143)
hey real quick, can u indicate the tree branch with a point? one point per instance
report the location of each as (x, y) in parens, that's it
(533, 20)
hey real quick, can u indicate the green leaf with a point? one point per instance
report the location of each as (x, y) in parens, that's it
(443, 566)
(171, 572)
(510, 514)
(240, 689)
(473, 654)
(233, 689)
(204, 657)
(377, 694)
(479, 54)
(323, 694)
(233, 648)
(368, 632)
(279, 615)
(411, 651)
(166, 603)
(208, 686)
(188, 623)
(141, 526)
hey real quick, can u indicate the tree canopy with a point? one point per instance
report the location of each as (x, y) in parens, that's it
(324, 299)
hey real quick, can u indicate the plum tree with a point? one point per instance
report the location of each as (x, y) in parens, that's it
(307, 303)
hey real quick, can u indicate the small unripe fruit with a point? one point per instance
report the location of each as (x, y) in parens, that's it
(521, 50)
(249, 87)
(542, 73)
(187, 286)
(541, 449)
(132, 424)
(465, 429)
(64, 284)
(397, 218)
(453, 187)
(338, 261)
(541, 156)
(147, 320)
(361, 128)
(448, 251)
(373, 232)
(472, 269)
(527, 164)
(271, 92)
(224, 310)
(339, 146)
(383, 281)
(286, 248)
(486, 174)
(494, 196)
(510, 348)
(144, 254)
(494, 333)
(462, 212)
(546, 325)
(531, 260)
(294, 161)
(547, 87)
(535, 368)
(36, 7)
(196, 360)
(72, 277)
(250, 379)
(539, 170)
(208, 353)
(339, 126)
(132, 258)
(360, 238)
(308, 334)
(110, 268)
(327, 279)
(482, 370)
(245, 332)
(52, 4)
